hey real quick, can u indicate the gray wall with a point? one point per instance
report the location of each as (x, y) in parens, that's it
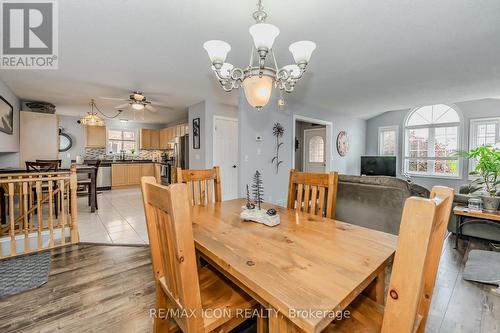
(9, 144)
(483, 108)
(257, 155)
(77, 134)
(203, 158)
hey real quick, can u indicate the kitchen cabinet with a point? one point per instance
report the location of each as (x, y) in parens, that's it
(148, 169)
(155, 139)
(149, 138)
(95, 136)
(134, 174)
(129, 174)
(164, 138)
(119, 175)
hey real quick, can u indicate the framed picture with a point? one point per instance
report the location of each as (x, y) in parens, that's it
(342, 143)
(6, 116)
(196, 133)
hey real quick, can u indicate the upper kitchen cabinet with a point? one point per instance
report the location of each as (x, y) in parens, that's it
(95, 136)
(149, 138)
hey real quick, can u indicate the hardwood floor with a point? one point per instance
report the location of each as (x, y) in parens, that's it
(96, 288)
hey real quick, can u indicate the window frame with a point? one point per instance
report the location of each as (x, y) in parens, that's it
(136, 138)
(382, 129)
(431, 142)
(473, 124)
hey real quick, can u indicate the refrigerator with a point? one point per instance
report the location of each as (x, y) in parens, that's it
(181, 152)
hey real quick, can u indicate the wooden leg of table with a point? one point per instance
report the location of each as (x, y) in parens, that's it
(281, 324)
(376, 290)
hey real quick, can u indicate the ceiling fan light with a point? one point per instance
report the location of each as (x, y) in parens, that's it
(217, 50)
(302, 51)
(258, 90)
(263, 35)
(137, 106)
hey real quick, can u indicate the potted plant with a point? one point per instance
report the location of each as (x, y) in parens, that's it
(487, 171)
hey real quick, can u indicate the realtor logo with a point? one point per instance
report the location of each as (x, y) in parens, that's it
(29, 34)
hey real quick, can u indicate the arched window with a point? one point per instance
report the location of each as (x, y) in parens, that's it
(316, 150)
(432, 140)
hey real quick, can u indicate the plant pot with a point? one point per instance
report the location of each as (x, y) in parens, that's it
(490, 203)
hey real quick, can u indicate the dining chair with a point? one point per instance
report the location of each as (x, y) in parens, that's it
(180, 286)
(45, 166)
(203, 185)
(420, 242)
(59, 162)
(86, 183)
(314, 193)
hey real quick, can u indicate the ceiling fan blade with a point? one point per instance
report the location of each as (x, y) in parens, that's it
(159, 104)
(151, 108)
(113, 98)
(121, 106)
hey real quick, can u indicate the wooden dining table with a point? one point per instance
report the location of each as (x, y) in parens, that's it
(304, 272)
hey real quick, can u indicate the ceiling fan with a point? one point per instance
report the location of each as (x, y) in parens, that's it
(137, 101)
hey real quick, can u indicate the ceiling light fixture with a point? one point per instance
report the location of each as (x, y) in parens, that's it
(92, 118)
(258, 80)
(137, 106)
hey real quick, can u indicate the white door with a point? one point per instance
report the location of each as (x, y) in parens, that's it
(314, 150)
(226, 155)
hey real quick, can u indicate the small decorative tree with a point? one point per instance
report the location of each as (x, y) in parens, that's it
(278, 132)
(250, 205)
(257, 189)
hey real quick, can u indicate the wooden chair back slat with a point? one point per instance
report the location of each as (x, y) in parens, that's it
(421, 236)
(203, 185)
(172, 249)
(308, 192)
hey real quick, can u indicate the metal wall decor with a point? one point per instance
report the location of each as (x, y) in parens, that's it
(342, 143)
(6, 116)
(196, 133)
(278, 132)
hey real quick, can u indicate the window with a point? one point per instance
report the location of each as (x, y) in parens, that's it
(316, 150)
(388, 141)
(119, 140)
(432, 139)
(484, 131)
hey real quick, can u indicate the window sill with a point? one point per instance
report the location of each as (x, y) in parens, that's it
(434, 176)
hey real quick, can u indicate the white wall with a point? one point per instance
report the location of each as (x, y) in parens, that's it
(9, 144)
(483, 108)
(258, 155)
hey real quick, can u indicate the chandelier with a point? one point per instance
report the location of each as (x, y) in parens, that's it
(258, 79)
(92, 118)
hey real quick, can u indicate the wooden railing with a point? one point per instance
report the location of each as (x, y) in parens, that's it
(40, 210)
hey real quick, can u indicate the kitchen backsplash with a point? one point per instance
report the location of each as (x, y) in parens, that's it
(96, 153)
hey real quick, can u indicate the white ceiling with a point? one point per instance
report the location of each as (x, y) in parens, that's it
(372, 56)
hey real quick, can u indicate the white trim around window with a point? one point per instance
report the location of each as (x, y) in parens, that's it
(473, 134)
(430, 157)
(383, 129)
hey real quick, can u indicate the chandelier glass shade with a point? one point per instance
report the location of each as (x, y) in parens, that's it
(258, 79)
(91, 119)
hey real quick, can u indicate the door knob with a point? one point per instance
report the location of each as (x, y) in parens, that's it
(234, 166)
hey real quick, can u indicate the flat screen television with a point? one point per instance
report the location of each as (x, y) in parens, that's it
(378, 166)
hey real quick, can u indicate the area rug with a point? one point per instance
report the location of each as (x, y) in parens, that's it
(23, 273)
(483, 266)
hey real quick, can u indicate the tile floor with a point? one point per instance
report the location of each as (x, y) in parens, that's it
(119, 219)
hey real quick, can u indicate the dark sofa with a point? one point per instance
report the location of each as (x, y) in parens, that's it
(375, 202)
